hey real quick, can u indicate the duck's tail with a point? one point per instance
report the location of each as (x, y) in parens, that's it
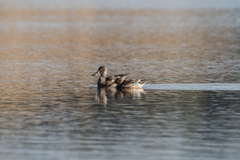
(141, 84)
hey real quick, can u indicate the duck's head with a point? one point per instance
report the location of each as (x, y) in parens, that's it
(102, 70)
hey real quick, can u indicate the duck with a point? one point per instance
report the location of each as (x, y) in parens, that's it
(117, 81)
(107, 81)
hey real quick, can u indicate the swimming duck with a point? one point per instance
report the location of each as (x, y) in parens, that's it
(117, 81)
(104, 81)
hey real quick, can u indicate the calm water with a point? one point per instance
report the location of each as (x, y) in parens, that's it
(51, 109)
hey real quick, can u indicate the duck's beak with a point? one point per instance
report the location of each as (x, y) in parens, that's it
(95, 74)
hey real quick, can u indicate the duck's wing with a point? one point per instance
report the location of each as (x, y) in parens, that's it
(115, 80)
(132, 83)
(119, 81)
(110, 80)
(128, 82)
(120, 75)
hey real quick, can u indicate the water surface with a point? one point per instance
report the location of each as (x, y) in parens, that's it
(50, 110)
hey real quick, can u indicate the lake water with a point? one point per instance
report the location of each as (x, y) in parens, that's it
(50, 107)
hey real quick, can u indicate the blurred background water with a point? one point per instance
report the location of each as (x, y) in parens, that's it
(50, 108)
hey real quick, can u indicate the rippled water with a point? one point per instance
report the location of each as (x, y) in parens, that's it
(150, 124)
(51, 109)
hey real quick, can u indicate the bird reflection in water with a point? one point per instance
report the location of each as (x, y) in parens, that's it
(105, 94)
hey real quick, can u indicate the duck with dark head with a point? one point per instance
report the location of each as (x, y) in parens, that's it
(117, 81)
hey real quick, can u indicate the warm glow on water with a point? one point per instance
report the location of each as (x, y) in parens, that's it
(50, 110)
